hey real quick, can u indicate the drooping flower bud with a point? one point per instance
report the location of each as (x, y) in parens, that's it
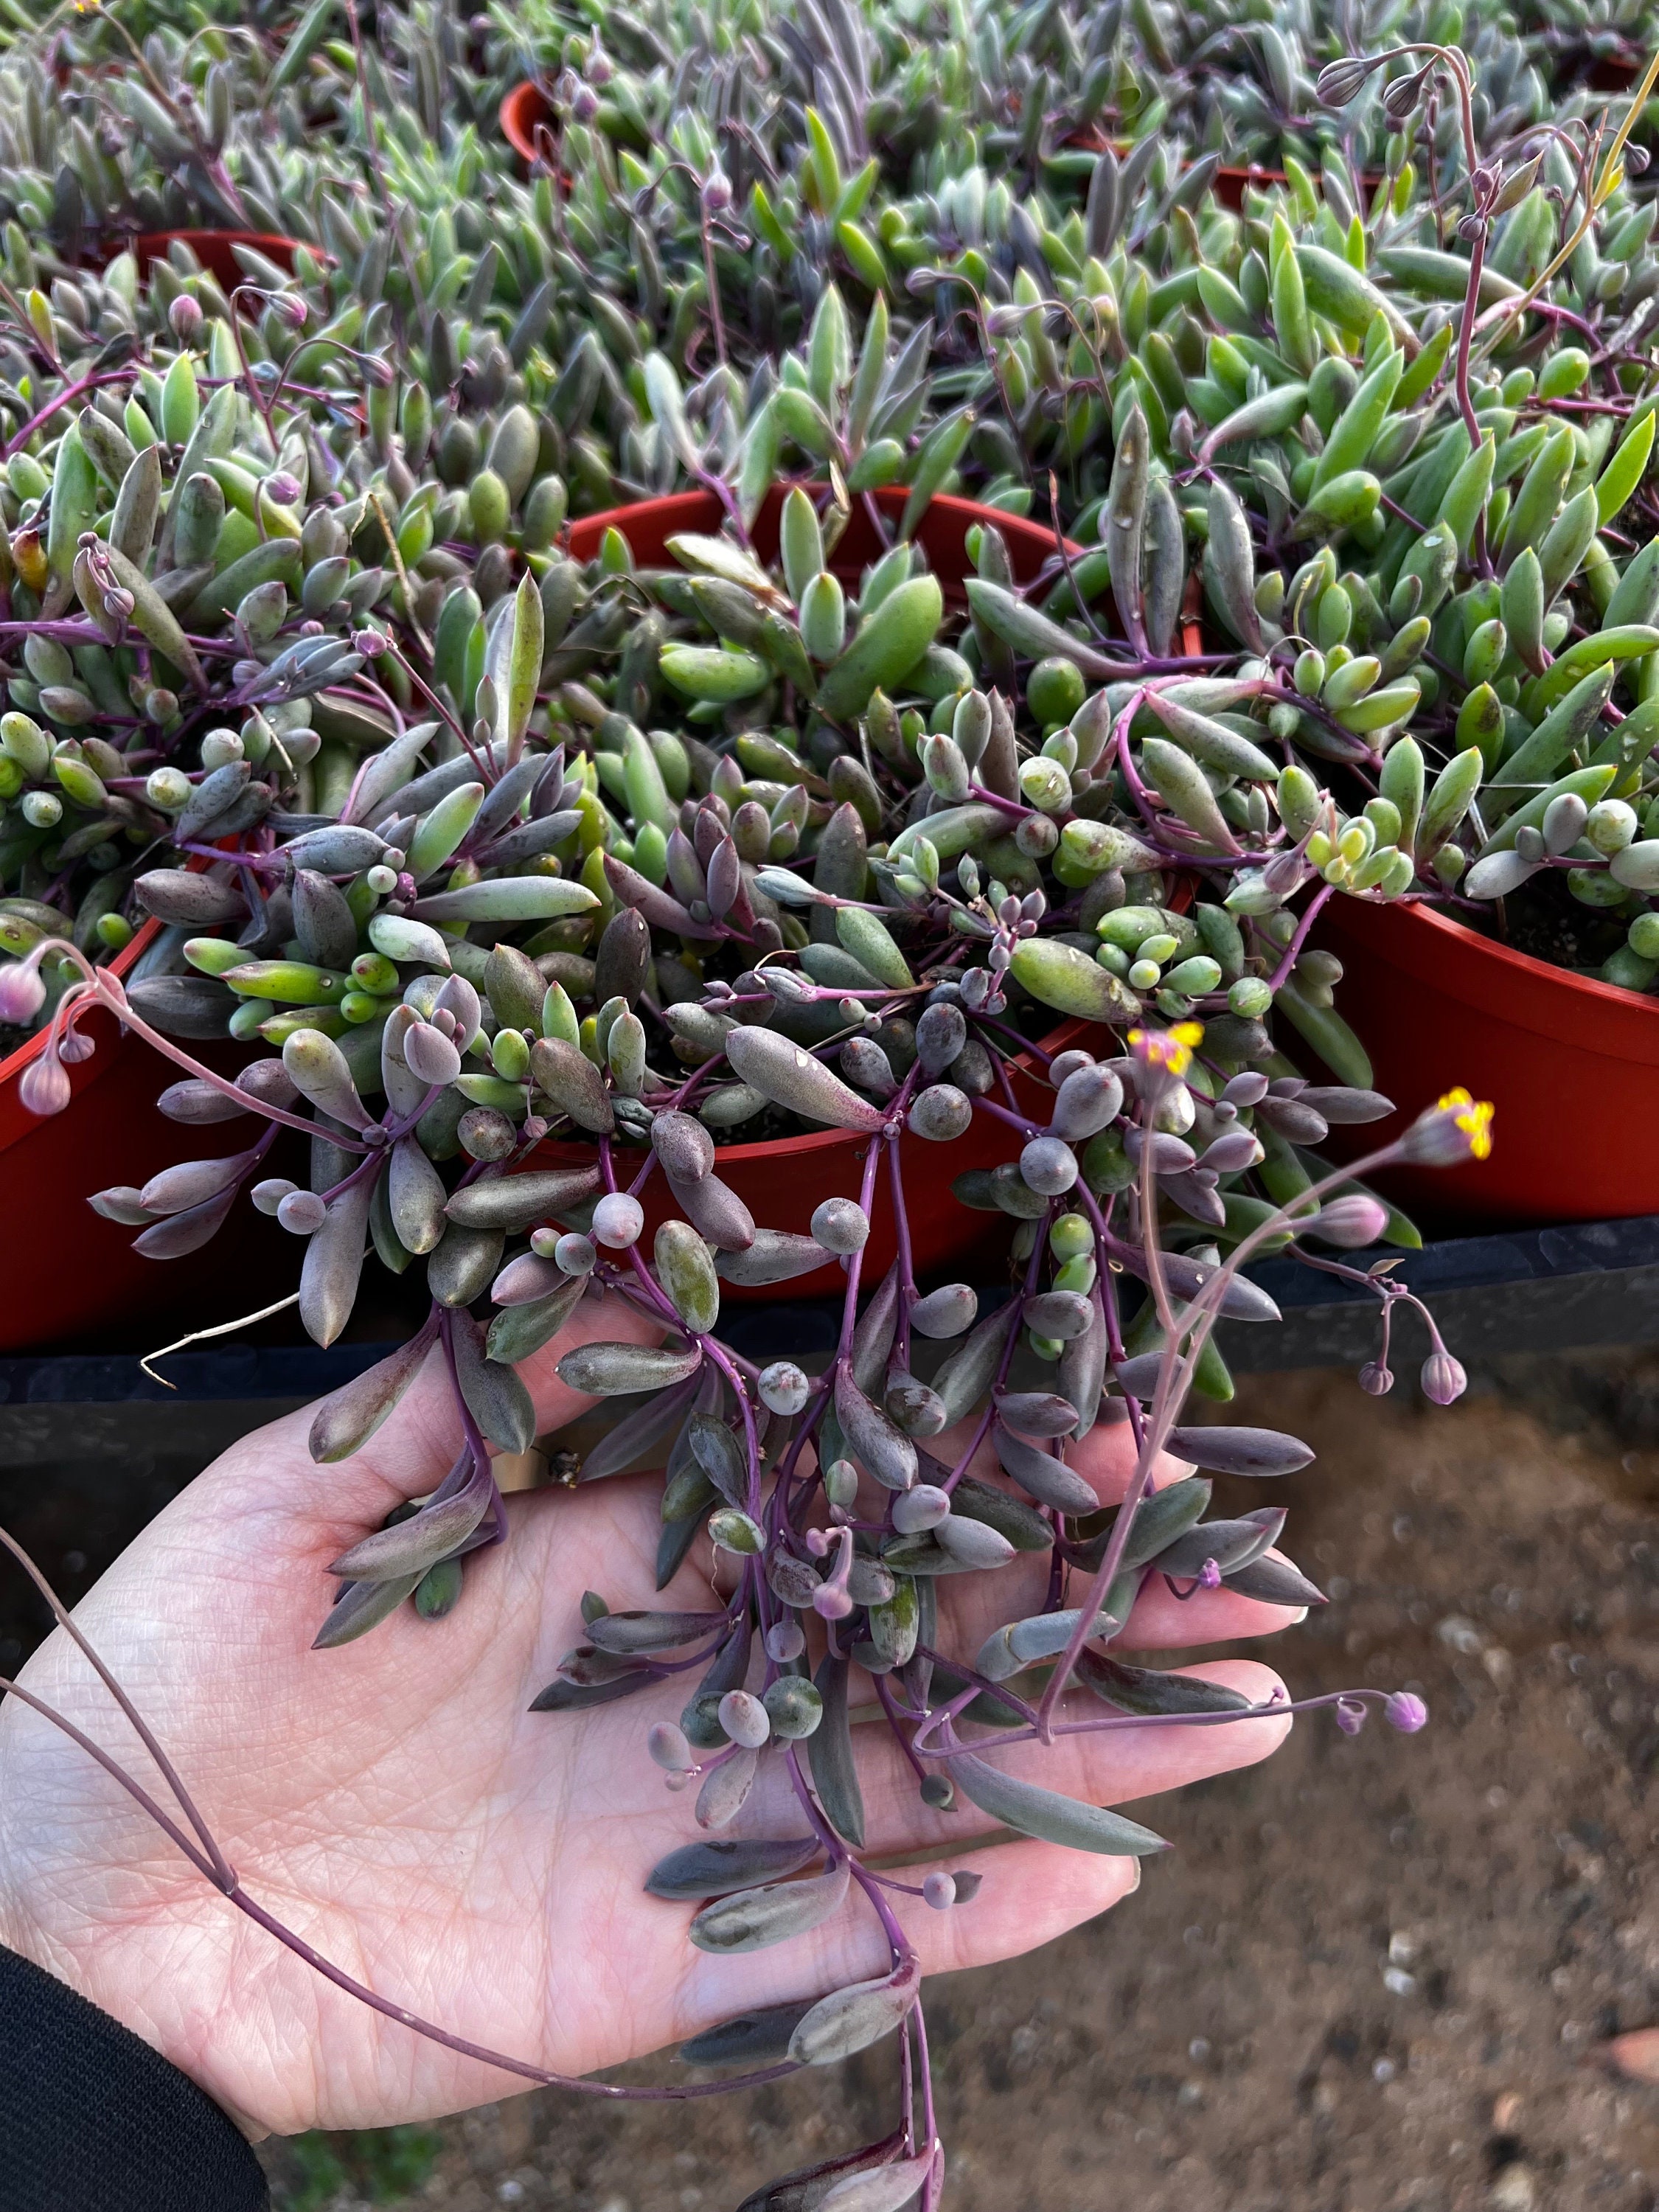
(1350, 1715)
(1377, 1378)
(22, 994)
(1444, 1378)
(1340, 82)
(1406, 1711)
(44, 1088)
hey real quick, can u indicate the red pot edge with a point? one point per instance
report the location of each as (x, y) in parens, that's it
(1508, 985)
(682, 508)
(149, 246)
(1055, 1041)
(31, 1049)
(518, 115)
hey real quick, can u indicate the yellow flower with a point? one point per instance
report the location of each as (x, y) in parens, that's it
(1473, 1118)
(1169, 1049)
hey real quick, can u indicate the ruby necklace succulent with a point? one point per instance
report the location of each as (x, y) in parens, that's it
(838, 1525)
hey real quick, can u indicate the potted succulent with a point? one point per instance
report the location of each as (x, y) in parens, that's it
(1364, 484)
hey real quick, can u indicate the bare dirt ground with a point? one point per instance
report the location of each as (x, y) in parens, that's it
(1374, 1974)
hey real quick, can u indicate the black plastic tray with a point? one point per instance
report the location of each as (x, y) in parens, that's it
(1545, 1290)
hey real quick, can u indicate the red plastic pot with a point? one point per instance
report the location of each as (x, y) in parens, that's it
(70, 1274)
(783, 1180)
(1571, 1064)
(526, 110)
(216, 251)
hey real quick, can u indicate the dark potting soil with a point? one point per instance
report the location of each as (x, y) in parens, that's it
(1545, 921)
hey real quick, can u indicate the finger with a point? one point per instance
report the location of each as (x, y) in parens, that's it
(1106, 1457)
(972, 1605)
(417, 1444)
(1161, 1621)
(1110, 1766)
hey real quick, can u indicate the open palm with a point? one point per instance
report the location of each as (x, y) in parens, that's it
(397, 1804)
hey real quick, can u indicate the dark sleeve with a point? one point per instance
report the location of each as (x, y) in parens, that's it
(93, 2120)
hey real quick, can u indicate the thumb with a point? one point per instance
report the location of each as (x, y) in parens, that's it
(418, 1443)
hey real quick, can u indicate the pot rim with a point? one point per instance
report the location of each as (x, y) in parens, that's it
(1053, 1042)
(121, 966)
(1517, 988)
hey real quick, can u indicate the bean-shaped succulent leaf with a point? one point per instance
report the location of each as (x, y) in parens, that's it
(754, 1919)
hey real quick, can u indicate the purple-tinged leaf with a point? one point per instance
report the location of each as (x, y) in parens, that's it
(1050, 1816)
(497, 1400)
(716, 1870)
(1240, 1451)
(638, 1431)
(754, 2039)
(409, 1547)
(618, 1371)
(725, 1789)
(360, 1607)
(852, 2019)
(347, 1418)
(791, 1078)
(754, 1919)
(1042, 1476)
(179, 1233)
(630, 1633)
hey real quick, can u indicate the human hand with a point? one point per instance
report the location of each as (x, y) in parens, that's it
(396, 1803)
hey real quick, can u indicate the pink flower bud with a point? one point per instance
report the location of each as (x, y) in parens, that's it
(1376, 1379)
(186, 319)
(22, 994)
(283, 487)
(1350, 1715)
(73, 1047)
(291, 309)
(1407, 1712)
(371, 643)
(717, 190)
(1443, 1378)
(1351, 1222)
(44, 1088)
